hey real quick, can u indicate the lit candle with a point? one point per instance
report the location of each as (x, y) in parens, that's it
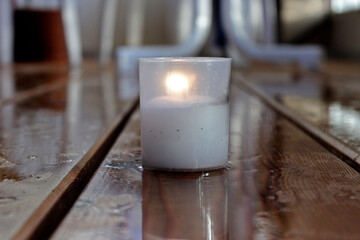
(182, 130)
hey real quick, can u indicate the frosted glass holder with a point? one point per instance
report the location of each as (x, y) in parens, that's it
(184, 113)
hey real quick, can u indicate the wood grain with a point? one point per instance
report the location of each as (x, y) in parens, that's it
(335, 111)
(343, 151)
(21, 82)
(110, 207)
(279, 184)
(13, 81)
(50, 144)
(324, 104)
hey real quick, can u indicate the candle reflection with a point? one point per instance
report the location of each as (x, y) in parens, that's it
(7, 89)
(184, 205)
(74, 95)
(109, 95)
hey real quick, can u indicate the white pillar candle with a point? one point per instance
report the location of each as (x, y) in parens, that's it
(184, 134)
(183, 126)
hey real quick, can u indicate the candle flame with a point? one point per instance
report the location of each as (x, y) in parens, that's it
(177, 83)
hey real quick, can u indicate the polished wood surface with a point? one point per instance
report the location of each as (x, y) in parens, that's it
(51, 143)
(325, 104)
(288, 177)
(113, 197)
(279, 184)
(18, 85)
(337, 147)
(23, 81)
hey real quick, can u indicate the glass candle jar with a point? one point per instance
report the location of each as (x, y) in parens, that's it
(184, 113)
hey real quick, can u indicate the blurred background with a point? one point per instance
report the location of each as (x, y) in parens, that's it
(40, 33)
(333, 23)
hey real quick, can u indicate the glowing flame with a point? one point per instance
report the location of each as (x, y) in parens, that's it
(177, 83)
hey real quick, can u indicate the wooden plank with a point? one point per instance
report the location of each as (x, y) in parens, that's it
(280, 184)
(326, 105)
(336, 111)
(18, 83)
(344, 152)
(114, 195)
(13, 82)
(15, 89)
(50, 145)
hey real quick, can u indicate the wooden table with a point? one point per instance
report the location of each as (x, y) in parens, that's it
(70, 160)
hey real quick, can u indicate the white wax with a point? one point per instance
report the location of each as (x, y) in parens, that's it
(189, 133)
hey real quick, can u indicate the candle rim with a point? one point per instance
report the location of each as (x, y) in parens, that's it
(185, 59)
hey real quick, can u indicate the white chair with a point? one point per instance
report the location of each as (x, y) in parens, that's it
(127, 57)
(72, 32)
(134, 26)
(6, 32)
(235, 26)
